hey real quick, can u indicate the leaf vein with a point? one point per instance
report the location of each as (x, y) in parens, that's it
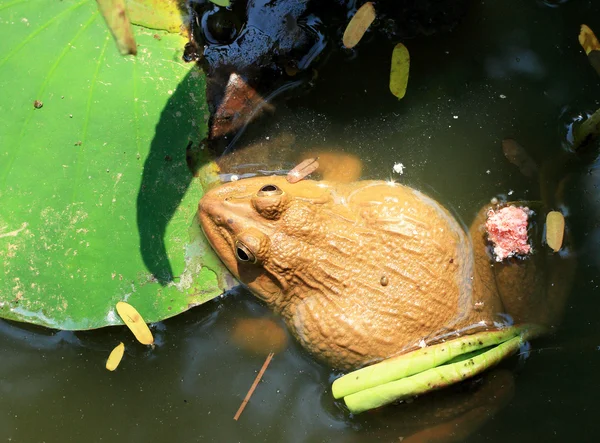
(15, 150)
(38, 30)
(88, 109)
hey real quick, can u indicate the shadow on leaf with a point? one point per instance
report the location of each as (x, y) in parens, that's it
(166, 176)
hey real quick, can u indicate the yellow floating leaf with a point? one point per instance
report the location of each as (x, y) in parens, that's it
(555, 230)
(224, 3)
(135, 322)
(399, 71)
(588, 40)
(358, 25)
(115, 357)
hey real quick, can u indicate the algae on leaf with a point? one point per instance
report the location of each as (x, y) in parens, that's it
(97, 204)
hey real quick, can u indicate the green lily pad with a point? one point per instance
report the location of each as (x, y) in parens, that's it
(97, 203)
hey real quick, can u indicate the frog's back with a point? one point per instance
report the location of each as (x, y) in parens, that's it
(378, 269)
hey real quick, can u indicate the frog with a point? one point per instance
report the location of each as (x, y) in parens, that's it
(366, 271)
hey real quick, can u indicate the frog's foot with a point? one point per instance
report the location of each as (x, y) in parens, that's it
(429, 368)
(336, 166)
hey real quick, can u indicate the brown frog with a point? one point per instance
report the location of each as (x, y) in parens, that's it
(368, 270)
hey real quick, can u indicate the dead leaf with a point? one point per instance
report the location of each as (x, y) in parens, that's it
(115, 15)
(115, 357)
(240, 105)
(518, 156)
(400, 70)
(358, 25)
(303, 170)
(135, 322)
(555, 230)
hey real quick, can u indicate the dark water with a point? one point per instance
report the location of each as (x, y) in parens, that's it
(513, 69)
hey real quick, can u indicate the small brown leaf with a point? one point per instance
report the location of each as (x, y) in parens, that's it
(555, 230)
(115, 357)
(303, 170)
(135, 322)
(400, 70)
(358, 25)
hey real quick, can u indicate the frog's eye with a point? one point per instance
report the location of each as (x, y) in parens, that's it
(268, 190)
(244, 254)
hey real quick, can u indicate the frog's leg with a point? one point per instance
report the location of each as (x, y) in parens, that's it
(533, 289)
(473, 410)
(445, 416)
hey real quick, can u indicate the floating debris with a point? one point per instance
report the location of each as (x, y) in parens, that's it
(358, 25)
(398, 168)
(115, 357)
(135, 322)
(399, 71)
(555, 230)
(303, 170)
(507, 230)
(253, 387)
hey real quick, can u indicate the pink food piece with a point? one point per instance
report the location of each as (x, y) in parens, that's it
(507, 230)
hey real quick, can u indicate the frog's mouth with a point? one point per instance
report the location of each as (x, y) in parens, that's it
(430, 368)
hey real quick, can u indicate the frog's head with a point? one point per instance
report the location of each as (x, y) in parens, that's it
(258, 227)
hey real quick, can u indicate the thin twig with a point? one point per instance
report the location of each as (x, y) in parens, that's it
(253, 387)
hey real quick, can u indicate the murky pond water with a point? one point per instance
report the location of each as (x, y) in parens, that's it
(512, 69)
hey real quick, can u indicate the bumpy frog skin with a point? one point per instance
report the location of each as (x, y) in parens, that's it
(365, 271)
